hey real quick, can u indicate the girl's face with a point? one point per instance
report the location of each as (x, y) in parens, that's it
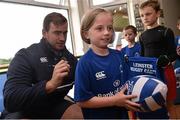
(129, 35)
(101, 32)
(178, 25)
(149, 16)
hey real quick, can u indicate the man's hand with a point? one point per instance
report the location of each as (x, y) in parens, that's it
(61, 70)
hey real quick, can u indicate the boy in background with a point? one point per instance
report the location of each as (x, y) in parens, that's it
(158, 41)
(133, 48)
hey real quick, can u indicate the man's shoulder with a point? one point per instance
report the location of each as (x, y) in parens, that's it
(29, 50)
(23, 57)
(33, 47)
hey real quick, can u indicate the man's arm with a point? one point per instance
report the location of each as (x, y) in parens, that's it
(19, 91)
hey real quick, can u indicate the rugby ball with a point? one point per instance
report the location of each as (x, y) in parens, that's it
(151, 92)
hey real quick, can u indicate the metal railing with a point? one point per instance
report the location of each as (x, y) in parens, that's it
(4, 68)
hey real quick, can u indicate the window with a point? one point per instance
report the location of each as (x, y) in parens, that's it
(21, 25)
(120, 20)
(94, 3)
(100, 2)
(56, 2)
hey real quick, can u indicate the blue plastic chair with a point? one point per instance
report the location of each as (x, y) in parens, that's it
(3, 78)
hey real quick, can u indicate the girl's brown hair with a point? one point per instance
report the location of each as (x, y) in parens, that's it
(88, 20)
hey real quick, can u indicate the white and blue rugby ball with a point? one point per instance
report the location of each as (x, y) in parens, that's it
(151, 92)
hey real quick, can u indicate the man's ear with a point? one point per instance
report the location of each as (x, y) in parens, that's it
(44, 33)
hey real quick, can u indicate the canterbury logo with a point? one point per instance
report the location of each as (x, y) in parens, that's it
(43, 59)
(100, 75)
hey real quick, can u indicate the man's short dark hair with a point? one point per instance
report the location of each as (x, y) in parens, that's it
(55, 18)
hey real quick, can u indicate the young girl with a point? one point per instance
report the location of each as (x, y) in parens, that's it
(98, 83)
(157, 41)
(133, 48)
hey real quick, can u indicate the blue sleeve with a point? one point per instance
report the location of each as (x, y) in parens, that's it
(82, 89)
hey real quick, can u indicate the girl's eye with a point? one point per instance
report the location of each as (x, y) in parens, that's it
(99, 28)
(104, 28)
(110, 28)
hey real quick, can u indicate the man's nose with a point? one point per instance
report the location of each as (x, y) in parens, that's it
(62, 36)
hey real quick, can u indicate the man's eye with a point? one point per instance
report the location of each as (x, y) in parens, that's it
(64, 33)
(57, 33)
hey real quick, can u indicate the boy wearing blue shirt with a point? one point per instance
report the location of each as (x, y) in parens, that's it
(133, 48)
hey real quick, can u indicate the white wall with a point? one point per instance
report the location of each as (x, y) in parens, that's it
(171, 10)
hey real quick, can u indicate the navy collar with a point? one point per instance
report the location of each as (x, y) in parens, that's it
(48, 48)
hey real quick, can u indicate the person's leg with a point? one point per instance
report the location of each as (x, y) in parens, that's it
(62, 109)
(65, 109)
(73, 112)
(15, 115)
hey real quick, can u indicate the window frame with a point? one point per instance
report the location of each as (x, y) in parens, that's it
(115, 2)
